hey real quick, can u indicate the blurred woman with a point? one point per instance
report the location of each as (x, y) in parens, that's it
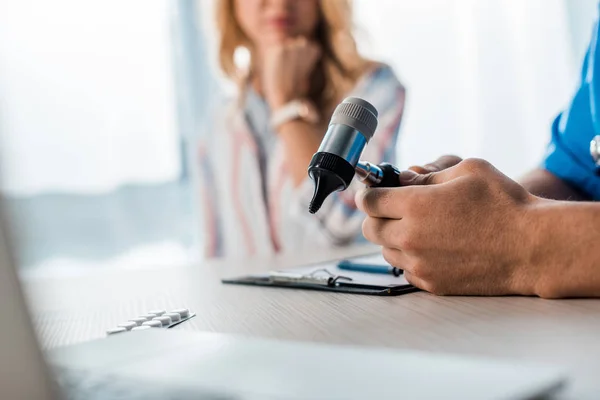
(253, 163)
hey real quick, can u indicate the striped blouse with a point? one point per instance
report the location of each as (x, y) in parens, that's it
(250, 204)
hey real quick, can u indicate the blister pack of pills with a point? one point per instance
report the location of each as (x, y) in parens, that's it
(153, 319)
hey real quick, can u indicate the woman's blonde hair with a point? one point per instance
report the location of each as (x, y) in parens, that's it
(339, 67)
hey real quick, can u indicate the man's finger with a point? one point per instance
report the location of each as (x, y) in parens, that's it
(442, 163)
(419, 169)
(411, 178)
(387, 202)
(396, 258)
(382, 231)
(415, 280)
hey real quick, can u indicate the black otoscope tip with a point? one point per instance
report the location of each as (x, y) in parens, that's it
(314, 207)
(330, 173)
(326, 182)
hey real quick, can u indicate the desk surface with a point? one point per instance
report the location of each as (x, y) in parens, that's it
(561, 332)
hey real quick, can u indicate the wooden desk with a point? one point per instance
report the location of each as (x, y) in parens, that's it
(563, 332)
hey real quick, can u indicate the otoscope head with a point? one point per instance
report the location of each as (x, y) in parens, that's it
(333, 166)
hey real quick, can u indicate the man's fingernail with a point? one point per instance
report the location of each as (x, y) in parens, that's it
(407, 176)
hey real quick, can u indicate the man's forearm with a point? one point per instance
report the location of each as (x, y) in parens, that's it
(544, 184)
(564, 260)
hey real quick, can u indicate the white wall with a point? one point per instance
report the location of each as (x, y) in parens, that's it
(87, 103)
(582, 14)
(484, 78)
(86, 95)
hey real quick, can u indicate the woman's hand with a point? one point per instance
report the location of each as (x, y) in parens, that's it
(286, 70)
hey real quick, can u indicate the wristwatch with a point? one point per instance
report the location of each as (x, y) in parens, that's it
(296, 109)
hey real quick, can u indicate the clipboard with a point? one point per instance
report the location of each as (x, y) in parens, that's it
(329, 278)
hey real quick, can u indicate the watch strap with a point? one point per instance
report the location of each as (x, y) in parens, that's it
(295, 109)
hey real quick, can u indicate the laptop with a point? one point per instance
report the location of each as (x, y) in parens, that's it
(23, 374)
(171, 364)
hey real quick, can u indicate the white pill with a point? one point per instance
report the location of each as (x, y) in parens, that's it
(127, 325)
(148, 317)
(163, 320)
(116, 330)
(184, 312)
(141, 328)
(138, 320)
(175, 317)
(158, 313)
(153, 324)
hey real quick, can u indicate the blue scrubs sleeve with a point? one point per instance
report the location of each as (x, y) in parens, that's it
(568, 156)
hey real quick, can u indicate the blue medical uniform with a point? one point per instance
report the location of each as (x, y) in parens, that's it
(569, 156)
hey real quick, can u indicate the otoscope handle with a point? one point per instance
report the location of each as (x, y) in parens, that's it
(391, 176)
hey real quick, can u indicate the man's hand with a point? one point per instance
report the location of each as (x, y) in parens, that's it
(462, 230)
(286, 70)
(538, 182)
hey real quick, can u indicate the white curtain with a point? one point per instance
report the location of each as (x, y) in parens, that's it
(485, 78)
(86, 95)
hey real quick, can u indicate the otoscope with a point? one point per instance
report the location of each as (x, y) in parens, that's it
(337, 160)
